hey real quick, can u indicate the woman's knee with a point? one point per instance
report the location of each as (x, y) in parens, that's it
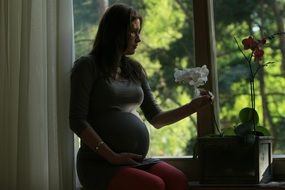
(131, 178)
(173, 177)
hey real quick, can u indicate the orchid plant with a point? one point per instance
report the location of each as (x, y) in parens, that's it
(248, 116)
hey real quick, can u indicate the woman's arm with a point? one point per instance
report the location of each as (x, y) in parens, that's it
(172, 116)
(159, 118)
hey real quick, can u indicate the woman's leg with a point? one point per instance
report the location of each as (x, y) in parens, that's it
(135, 179)
(173, 178)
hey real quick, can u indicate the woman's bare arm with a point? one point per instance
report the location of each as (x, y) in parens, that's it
(169, 117)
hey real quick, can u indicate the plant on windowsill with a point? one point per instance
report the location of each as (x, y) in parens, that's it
(241, 154)
(249, 118)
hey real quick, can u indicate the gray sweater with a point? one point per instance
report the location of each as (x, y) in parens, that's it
(110, 108)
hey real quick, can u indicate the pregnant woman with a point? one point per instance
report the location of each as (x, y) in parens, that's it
(107, 88)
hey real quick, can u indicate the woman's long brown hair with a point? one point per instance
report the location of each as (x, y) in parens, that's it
(112, 39)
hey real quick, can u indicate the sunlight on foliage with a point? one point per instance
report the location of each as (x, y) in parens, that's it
(162, 23)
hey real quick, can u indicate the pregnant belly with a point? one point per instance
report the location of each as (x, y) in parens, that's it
(124, 132)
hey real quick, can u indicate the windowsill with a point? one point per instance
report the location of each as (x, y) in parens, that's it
(190, 166)
(278, 156)
(268, 186)
(275, 156)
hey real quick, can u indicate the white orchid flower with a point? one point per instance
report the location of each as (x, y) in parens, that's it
(195, 77)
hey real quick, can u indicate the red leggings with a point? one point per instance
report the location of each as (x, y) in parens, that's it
(160, 176)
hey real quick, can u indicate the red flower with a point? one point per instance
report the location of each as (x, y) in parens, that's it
(258, 53)
(255, 46)
(250, 43)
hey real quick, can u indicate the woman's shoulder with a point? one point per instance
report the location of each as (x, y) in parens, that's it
(137, 67)
(83, 64)
(85, 60)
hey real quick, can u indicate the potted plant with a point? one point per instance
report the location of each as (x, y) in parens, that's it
(243, 153)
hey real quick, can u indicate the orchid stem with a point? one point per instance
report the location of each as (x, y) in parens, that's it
(251, 81)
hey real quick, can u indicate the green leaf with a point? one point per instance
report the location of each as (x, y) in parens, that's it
(248, 115)
(263, 130)
(244, 128)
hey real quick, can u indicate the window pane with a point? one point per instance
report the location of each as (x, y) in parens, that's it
(167, 43)
(239, 19)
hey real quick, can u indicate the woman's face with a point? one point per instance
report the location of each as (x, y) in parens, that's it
(134, 37)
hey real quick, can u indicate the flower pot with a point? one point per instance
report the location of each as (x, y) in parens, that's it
(230, 160)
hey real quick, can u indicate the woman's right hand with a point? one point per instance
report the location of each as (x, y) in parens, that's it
(125, 158)
(201, 101)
